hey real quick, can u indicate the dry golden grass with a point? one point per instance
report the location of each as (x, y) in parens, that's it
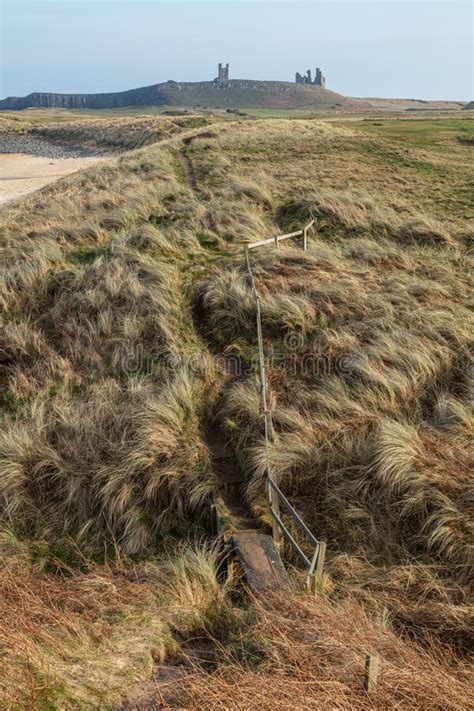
(109, 134)
(371, 410)
(371, 407)
(306, 654)
(113, 462)
(118, 133)
(81, 640)
(89, 307)
(105, 384)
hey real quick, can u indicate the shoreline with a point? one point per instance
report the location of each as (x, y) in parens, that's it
(22, 174)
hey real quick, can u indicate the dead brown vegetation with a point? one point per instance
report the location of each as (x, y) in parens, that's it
(312, 656)
(82, 639)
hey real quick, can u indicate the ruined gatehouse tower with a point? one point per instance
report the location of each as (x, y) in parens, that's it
(222, 75)
(319, 78)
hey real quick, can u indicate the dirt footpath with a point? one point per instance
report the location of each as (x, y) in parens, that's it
(21, 174)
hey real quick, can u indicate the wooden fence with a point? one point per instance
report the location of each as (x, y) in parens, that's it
(276, 498)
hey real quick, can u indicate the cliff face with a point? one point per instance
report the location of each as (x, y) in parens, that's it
(235, 94)
(135, 97)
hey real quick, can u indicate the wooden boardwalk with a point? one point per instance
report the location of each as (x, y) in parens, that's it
(261, 562)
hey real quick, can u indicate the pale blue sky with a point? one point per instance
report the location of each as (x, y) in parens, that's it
(402, 48)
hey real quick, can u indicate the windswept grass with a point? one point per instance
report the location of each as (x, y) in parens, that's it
(109, 280)
(370, 392)
(81, 640)
(369, 337)
(104, 134)
(115, 462)
(311, 655)
(100, 440)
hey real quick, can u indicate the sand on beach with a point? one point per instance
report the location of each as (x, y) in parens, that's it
(21, 174)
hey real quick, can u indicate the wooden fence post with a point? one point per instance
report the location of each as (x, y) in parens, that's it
(305, 239)
(318, 573)
(315, 579)
(275, 506)
(230, 569)
(371, 672)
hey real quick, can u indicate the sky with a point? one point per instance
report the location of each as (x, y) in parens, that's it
(390, 48)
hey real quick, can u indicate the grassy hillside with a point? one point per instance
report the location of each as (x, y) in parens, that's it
(107, 381)
(103, 134)
(240, 93)
(237, 93)
(415, 105)
(370, 336)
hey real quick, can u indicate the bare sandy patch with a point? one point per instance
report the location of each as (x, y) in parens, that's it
(22, 174)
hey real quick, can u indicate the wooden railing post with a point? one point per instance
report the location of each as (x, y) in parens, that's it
(230, 568)
(318, 573)
(305, 239)
(371, 672)
(275, 507)
(315, 579)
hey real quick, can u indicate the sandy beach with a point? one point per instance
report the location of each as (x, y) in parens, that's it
(21, 174)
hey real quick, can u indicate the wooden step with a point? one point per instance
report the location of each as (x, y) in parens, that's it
(261, 561)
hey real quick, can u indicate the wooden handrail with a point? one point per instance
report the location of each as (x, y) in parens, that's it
(275, 495)
(273, 240)
(293, 512)
(290, 538)
(278, 238)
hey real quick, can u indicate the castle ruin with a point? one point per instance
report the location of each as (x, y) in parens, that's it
(319, 79)
(222, 77)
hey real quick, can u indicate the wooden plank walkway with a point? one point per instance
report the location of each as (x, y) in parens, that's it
(261, 561)
(256, 552)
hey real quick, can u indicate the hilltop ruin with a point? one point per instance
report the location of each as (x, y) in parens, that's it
(220, 92)
(222, 74)
(319, 79)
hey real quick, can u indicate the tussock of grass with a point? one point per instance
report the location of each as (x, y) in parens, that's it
(148, 239)
(82, 640)
(358, 213)
(25, 269)
(124, 462)
(28, 362)
(240, 221)
(237, 313)
(257, 191)
(107, 134)
(418, 598)
(197, 600)
(312, 656)
(119, 307)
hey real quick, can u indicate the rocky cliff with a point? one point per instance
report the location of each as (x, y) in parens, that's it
(235, 94)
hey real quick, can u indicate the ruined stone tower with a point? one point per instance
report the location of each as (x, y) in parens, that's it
(319, 78)
(223, 73)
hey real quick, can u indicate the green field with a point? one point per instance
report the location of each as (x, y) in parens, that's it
(433, 132)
